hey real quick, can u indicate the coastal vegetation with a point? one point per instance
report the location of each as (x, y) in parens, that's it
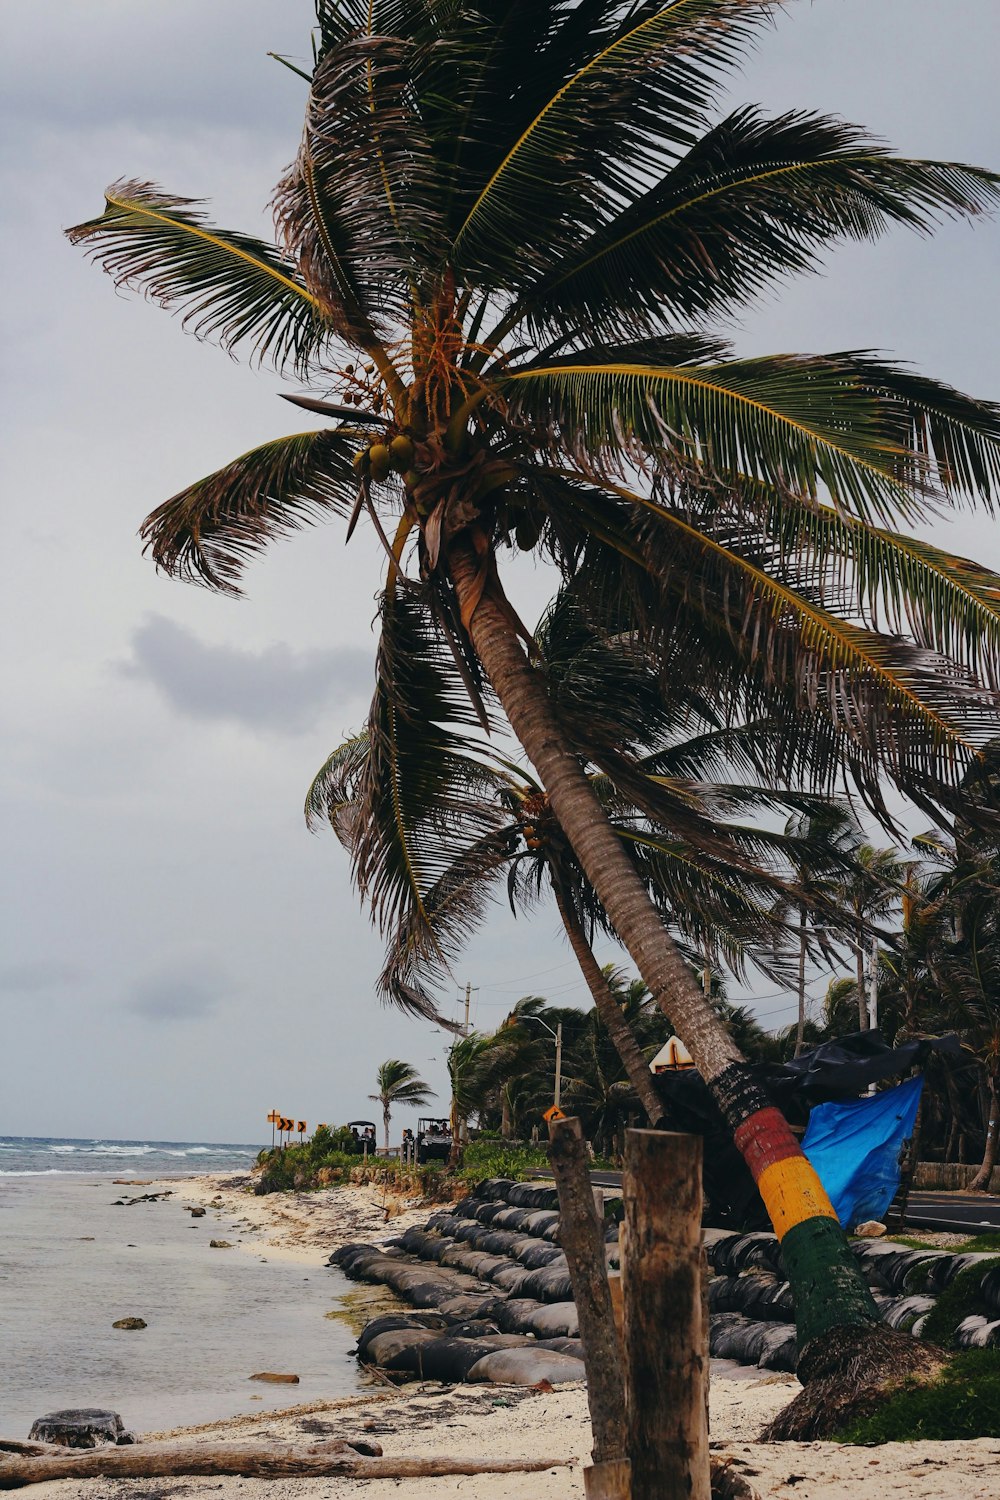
(501, 283)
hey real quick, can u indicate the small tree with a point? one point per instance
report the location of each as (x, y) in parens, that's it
(399, 1083)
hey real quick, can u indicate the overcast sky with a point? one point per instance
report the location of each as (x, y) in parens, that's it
(179, 955)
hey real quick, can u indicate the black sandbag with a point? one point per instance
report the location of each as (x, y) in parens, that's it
(426, 1246)
(396, 1349)
(553, 1320)
(524, 1195)
(563, 1345)
(491, 1213)
(474, 1328)
(527, 1366)
(346, 1256)
(503, 1241)
(514, 1313)
(464, 1305)
(536, 1253)
(543, 1223)
(727, 1336)
(989, 1288)
(451, 1359)
(780, 1349)
(907, 1313)
(507, 1217)
(510, 1277)
(550, 1284)
(394, 1322)
(495, 1187)
(977, 1332)
(941, 1273)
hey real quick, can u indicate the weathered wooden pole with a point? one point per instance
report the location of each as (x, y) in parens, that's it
(666, 1328)
(581, 1235)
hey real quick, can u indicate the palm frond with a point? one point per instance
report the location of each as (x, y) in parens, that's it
(796, 422)
(635, 99)
(949, 603)
(417, 783)
(230, 287)
(755, 199)
(208, 532)
(361, 208)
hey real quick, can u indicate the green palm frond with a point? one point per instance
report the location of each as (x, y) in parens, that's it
(638, 96)
(793, 421)
(230, 287)
(950, 603)
(755, 199)
(208, 532)
(417, 782)
(361, 208)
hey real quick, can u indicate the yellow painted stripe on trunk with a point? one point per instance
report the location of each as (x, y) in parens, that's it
(792, 1193)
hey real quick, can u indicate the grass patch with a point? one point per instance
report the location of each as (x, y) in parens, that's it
(980, 1244)
(959, 1301)
(963, 1402)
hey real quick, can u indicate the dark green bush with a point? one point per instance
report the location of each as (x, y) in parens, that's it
(964, 1402)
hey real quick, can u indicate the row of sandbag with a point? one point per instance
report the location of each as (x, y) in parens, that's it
(475, 1332)
(905, 1282)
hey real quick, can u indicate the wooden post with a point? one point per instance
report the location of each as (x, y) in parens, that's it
(581, 1235)
(666, 1331)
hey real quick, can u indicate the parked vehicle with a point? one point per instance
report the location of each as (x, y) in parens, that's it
(433, 1140)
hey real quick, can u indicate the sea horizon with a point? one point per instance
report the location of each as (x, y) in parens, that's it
(55, 1156)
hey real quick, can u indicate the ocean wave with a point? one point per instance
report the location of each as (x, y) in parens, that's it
(47, 1172)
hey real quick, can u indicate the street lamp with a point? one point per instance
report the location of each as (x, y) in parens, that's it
(558, 1039)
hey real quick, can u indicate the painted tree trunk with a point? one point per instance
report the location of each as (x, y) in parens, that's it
(829, 1288)
(618, 1029)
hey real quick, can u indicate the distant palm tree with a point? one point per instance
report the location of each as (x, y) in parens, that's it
(399, 1083)
(869, 891)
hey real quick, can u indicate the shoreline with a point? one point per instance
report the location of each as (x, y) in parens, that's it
(424, 1418)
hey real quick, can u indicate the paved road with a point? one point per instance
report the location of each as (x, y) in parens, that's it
(959, 1212)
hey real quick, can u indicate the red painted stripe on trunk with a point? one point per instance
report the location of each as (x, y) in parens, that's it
(763, 1139)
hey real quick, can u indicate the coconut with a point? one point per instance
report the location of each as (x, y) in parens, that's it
(381, 463)
(401, 454)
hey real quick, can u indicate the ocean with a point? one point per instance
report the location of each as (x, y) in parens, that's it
(72, 1262)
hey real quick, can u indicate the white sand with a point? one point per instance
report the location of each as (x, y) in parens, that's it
(475, 1421)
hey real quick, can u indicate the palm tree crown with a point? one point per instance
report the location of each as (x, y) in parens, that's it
(399, 1083)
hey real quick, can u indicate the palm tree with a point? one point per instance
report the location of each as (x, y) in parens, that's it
(399, 1083)
(869, 891)
(502, 276)
(826, 837)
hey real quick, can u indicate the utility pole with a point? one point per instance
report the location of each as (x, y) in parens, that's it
(469, 988)
(558, 1090)
(873, 987)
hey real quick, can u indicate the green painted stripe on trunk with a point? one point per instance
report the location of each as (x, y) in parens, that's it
(829, 1289)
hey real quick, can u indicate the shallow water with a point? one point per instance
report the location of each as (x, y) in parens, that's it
(71, 1264)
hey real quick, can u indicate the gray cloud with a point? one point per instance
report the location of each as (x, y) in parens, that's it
(186, 993)
(278, 689)
(31, 977)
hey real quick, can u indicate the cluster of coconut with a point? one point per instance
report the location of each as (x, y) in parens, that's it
(380, 459)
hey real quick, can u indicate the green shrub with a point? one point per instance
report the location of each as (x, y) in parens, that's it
(959, 1301)
(964, 1402)
(493, 1158)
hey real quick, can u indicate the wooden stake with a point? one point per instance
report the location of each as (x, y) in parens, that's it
(666, 1330)
(581, 1235)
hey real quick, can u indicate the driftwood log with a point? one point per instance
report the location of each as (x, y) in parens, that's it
(22, 1464)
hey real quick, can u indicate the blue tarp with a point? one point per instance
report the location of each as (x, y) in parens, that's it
(855, 1148)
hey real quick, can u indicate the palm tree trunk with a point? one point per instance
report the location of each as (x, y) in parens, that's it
(981, 1182)
(506, 1114)
(860, 969)
(618, 1029)
(829, 1289)
(385, 1121)
(800, 1030)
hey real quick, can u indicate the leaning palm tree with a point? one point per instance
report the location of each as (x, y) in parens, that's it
(496, 277)
(399, 1083)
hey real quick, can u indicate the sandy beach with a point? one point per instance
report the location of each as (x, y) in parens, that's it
(462, 1421)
